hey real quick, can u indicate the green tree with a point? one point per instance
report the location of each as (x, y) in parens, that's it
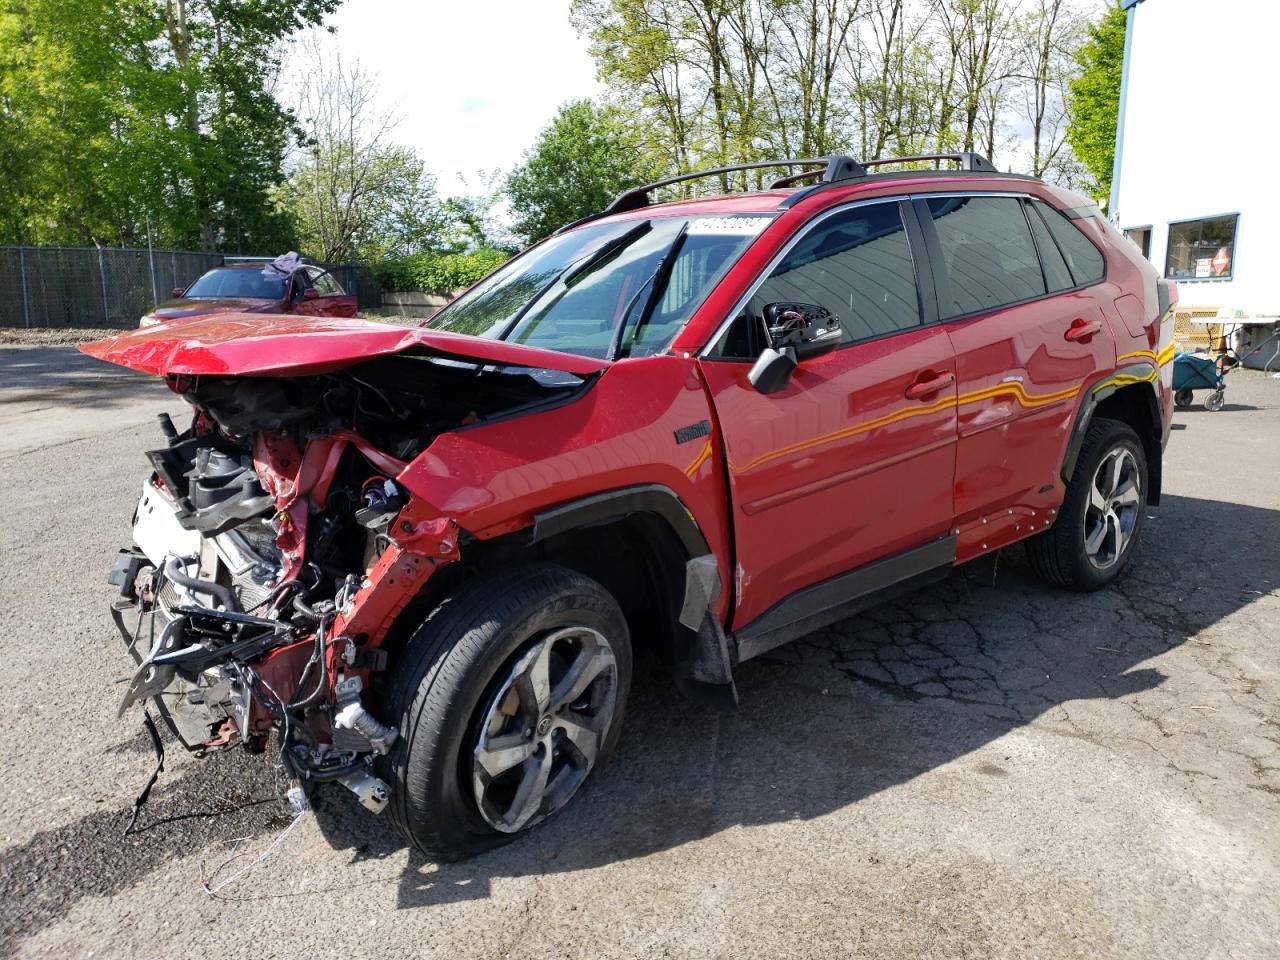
(580, 162)
(135, 113)
(350, 185)
(1094, 100)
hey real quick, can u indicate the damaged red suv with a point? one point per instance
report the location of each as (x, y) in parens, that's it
(424, 560)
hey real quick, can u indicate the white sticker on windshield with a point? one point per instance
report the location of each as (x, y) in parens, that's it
(732, 226)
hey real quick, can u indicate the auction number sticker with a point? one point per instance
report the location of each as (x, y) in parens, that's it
(730, 226)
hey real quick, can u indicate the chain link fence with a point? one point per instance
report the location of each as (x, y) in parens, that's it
(92, 287)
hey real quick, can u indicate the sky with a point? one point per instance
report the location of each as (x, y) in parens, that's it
(472, 81)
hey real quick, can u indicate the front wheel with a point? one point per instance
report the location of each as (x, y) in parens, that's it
(1101, 515)
(510, 695)
(1215, 401)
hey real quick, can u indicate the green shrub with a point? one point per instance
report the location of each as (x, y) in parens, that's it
(438, 273)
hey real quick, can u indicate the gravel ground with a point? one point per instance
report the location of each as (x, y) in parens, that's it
(986, 769)
(51, 336)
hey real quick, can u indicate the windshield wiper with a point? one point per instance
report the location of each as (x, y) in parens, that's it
(657, 284)
(577, 269)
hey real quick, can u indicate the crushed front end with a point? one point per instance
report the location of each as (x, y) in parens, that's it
(274, 548)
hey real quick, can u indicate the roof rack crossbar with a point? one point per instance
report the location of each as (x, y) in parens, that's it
(835, 168)
(967, 160)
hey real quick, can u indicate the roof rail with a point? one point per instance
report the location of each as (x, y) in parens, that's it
(967, 160)
(835, 168)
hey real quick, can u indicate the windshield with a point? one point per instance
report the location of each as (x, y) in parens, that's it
(606, 290)
(237, 282)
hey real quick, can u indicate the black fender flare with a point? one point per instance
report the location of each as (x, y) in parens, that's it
(1143, 377)
(704, 662)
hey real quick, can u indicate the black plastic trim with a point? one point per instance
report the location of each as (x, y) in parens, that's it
(922, 262)
(823, 603)
(1080, 213)
(1098, 392)
(893, 175)
(618, 504)
(835, 168)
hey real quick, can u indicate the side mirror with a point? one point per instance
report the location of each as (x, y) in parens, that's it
(797, 332)
(310, 293)
(178, 291)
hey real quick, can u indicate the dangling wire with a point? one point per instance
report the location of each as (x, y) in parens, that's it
(158, 745)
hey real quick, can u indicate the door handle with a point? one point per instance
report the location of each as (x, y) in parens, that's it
(923, 389)
(1082, 330)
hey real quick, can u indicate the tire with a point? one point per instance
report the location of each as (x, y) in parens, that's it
(1215, 401)
(445, 689)
(1183, 398)
(1075, 553)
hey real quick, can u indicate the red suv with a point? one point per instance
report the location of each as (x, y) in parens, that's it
(257, 285)
(426, 558)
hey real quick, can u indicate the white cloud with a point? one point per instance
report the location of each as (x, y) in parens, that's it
(472, 83)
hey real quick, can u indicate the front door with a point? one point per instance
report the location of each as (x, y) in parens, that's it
(853, 460)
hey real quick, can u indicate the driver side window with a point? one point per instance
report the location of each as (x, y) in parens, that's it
(856, 264)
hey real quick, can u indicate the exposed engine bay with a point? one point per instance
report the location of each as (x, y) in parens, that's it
(274, 548)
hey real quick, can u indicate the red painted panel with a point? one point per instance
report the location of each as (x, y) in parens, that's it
(838, 469)
(1020, 386)
(493, 478)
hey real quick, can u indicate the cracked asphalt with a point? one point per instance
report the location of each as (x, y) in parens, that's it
(988, 768)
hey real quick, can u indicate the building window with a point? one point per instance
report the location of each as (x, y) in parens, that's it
(1202, 249)
(1141, 237)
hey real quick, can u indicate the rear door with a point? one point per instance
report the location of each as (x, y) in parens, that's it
(853, 460)
(1028, 335)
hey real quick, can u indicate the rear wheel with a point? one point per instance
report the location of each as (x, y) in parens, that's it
(1101, 513)
(1184, 398)
(510, 695)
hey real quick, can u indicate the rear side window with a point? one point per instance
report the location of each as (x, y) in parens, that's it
(856, 264)
(987, 249)
(1083, 258)
(1056, 273)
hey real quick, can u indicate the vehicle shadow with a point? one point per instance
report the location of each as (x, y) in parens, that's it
(1227, 407)
(873, 702)
(65, 376)
(838, 716)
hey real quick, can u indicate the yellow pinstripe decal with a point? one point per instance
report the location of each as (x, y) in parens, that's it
(1013, 389)
(699, 460)
(1161, 358)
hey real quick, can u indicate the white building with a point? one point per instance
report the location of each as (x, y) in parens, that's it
(1197, 181)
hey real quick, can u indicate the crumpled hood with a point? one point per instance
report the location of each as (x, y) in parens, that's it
(249, 344)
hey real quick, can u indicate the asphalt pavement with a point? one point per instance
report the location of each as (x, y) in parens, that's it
(988, 768)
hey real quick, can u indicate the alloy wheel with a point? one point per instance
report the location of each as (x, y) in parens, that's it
(542, 730)
(1115, 496)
